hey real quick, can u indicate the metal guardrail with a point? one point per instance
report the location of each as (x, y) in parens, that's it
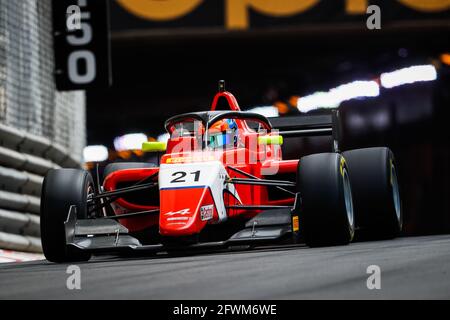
(20, 181)
(20, 243)
(24, 161)
(19, 223)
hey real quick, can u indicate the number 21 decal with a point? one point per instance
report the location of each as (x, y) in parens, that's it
(180, 175)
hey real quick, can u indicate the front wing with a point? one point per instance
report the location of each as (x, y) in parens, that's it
(103, 235)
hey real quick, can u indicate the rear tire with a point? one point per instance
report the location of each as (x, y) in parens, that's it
(326, 200)
(376, 195)
(63, 188)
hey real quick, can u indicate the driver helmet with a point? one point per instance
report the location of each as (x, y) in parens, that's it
(224, 132)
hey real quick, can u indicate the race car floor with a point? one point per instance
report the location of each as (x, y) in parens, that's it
(410, 268)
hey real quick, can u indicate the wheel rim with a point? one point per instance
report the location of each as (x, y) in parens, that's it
(90, 192)
(395, 192)
(348, 198)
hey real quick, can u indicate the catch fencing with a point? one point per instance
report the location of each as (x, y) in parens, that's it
(40, 128)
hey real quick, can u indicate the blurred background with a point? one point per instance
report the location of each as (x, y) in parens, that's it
(111, 84)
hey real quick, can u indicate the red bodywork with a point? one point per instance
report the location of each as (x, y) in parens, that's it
(171, 219)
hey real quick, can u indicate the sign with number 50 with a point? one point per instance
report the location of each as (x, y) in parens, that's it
(81, 44)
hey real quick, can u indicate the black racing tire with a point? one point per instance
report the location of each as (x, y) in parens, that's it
(113, 167)
(376, 193)
(326, 200)
(61, 189)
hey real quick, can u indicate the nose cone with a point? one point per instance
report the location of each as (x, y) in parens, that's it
(185, 211)
(191, 195)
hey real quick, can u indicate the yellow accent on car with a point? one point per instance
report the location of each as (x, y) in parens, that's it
(176, 160)
(295, 224)
(341, 166)
(154, 146)
(270, 140)
(190, 159)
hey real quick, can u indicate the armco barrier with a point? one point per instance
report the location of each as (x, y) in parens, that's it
(20, 243)
(19, 223)
(24, 161)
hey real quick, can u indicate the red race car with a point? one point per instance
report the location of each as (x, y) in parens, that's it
(222, 182)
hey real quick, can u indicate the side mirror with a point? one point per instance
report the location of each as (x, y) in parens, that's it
(154, 146)
(271, 140)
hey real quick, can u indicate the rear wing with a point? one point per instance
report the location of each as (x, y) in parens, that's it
(310, 125)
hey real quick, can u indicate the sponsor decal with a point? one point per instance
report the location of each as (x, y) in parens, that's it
(178, 219)
(246, 14)
(177, 160)
(180, 212)
(190, 159)
(295, 224)
(206, 212)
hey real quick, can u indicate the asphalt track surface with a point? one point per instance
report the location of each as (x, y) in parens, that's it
(411, 268)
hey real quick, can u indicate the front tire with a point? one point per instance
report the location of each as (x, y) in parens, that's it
(63, 188)
(326, 200)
